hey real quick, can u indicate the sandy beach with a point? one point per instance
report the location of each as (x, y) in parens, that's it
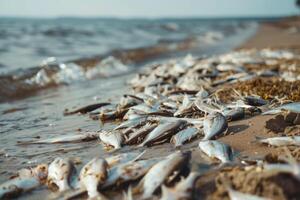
(240, 135)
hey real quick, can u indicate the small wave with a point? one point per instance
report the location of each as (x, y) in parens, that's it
(65, 32)
(51, 73)
(211, 37)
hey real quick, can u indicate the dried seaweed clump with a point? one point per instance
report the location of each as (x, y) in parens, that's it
(267, 88)
(257, 182)
(278, 155)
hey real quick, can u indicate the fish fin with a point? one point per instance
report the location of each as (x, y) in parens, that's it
(128, 195)
(138, 156)
(139, 187)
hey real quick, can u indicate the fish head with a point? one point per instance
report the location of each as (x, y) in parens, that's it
(41, 172)
(59, 172)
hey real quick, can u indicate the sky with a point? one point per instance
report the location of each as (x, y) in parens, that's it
(147, 8)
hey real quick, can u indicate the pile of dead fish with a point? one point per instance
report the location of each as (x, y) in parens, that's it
(175, 102)
(99, 174)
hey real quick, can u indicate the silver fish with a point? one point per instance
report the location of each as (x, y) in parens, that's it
(292, 107)
(163, 131)
(214, 124)
(234, 114)
(184, 135)
(132, 123)
(140, 133)
(66, 139)
(123, 158)
(92, 175)
(160, 172)
(216, 149)
(280, 141)
(111, 138)
(130, 171)
(59, 174)
(185, 107)
(17, 186)
(182, 190)
(27, 180)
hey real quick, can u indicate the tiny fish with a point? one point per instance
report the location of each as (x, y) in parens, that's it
(123, 158)
(280, 141)
(86, 109)
(65, 139)
(160, 172)
(214, 124)
(184, 135)
(130, 171)
(132, 123)
(27, 180)
(292, 107)
(140, 133)
(59, 174)
(255, 101)
(185, 107)
(163, 131)
(183, 190)
(111, 138)
(92, 175)
(234, 114)
(216, 149)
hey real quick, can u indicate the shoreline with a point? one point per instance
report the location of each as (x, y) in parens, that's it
(241, 133)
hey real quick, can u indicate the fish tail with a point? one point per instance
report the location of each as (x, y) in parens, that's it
(257, 139)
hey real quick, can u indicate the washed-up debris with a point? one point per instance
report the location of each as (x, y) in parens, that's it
(175, 102)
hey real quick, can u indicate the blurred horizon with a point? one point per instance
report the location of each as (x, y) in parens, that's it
(147, 9)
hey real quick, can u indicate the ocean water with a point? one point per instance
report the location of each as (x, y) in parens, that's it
(47, 65)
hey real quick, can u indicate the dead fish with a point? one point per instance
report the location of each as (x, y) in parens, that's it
(236, 195)
(16, 186)
(85, 137)
(183, 190)
(93, 175)
(111, 138)
(186, 106)
(184, 135)
(234, 114)
(112, 115)
(255, 101)
(280, 141)
(40, 172)
(292, 107)
(216, 149)
(205, 107)
(123, 158)
(160, 172)
(140, 133)
(27, 180)
(130, 171)
(132, 123)
(86, 109)
(59, 174)
(163, 131)
(214, 124)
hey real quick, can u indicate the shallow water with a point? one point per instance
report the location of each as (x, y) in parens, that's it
(41, 115)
